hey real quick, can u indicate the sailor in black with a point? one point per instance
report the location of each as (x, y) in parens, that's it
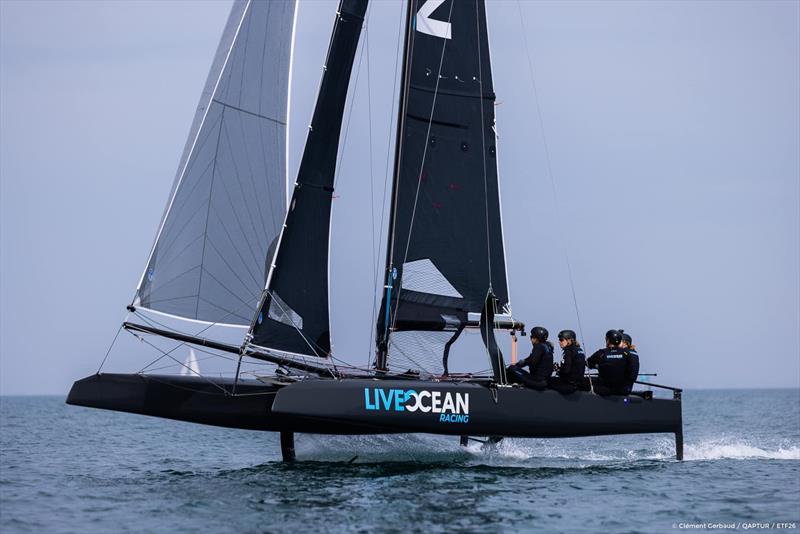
(540, 362)
(633, 370)
(614, 367)
(572, 368)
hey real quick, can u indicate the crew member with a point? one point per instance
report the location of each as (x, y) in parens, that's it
(540, 362)
(573, 366)
(627, 344)
(613, 365)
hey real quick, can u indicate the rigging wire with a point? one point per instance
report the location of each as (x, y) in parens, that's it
(483, 146)
(151, 321)
(349, 111)
(375, 246)
(112, 345)
(550, 172)
(388, 160)
(490, 293)
(170, 356)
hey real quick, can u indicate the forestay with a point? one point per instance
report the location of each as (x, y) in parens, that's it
(211, 255)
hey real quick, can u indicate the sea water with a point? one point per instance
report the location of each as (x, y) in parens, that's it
(72, 469)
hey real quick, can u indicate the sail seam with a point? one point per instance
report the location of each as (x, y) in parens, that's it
(244, 198)
(460, 94)
(238, 252)
(208, 212)
(228, 265)
(252, 182)
(235, 212)
(177, 276)
(248, 112)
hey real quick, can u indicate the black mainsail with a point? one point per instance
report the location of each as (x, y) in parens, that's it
(210, 258)
(445, 250)
(294, 316)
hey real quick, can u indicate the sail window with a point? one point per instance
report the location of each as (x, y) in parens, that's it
(423, 276)
(281, 312)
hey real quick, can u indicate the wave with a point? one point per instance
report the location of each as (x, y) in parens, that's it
(664, 449)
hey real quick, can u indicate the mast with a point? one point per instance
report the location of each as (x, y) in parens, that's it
(383, 330)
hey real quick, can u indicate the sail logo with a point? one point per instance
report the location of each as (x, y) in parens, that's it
(425, 24)
(450, 407)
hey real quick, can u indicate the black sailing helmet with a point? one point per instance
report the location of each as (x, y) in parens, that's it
(626, 337)
(613, 337)
(540, 333)
(569, 335)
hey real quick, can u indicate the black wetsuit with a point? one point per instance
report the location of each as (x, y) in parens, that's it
(570, 372)
(615, 368)
(540, 363)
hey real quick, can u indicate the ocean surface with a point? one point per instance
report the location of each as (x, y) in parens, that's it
(71, 469)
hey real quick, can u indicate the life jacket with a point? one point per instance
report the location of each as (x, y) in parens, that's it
(614, 367)
(575, 360)
(544, 368)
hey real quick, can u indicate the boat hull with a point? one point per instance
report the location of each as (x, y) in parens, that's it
(370, 406)
(473, 409)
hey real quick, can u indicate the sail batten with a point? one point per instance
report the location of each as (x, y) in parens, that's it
(210, 259)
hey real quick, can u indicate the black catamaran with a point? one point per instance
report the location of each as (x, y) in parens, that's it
(231, 252)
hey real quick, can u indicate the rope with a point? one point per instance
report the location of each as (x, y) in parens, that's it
(550, 173)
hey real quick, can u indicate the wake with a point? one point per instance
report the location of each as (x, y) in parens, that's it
(535, 452)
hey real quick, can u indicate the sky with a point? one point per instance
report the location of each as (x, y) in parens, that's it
(671, 131)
